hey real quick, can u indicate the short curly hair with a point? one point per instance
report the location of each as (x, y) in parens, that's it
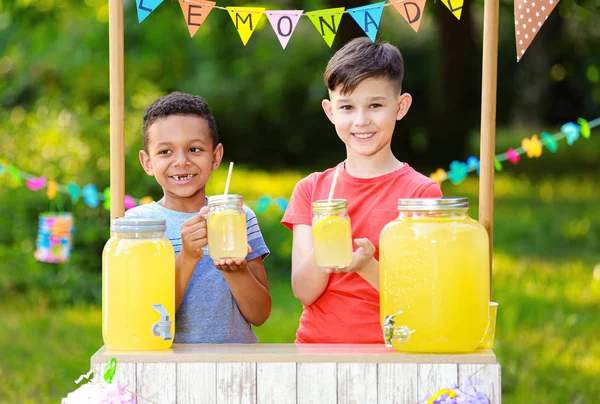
(361, 59)
(178, 103)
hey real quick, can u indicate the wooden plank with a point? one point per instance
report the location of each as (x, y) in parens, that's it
(276, 383)
(156, 382)
(317, 383)
(489, 376)
(307, 353)
(236, 383)
(432, 378)
(196, 383)
(357, 383)
(397, 383)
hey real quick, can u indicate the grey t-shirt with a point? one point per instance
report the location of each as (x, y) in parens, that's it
(208, 312)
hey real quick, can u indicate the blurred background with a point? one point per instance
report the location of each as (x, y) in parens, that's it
(54, 122)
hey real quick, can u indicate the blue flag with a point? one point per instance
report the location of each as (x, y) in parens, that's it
(368, 17)
(145, 7)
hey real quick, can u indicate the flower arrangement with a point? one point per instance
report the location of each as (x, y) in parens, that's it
(465, 394)
(101, 392)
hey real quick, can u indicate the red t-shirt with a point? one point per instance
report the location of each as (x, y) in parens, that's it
(348, 310)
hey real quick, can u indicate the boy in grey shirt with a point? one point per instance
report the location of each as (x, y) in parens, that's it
(216, 301)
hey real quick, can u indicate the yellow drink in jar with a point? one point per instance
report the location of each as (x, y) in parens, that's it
(227, 237)
(137, 274)
(227, 234)
(434, 269)
(332, 234)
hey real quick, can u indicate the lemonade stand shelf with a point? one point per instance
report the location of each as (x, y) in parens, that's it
(296, 374)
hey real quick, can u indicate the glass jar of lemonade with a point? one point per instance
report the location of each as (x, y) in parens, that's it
(434, 277)
(332, 236)
(138, 286)
(227, 236)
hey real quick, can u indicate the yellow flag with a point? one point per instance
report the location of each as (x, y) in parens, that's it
(327, 22)
(455, 6)
(51, 189)
(245, 20)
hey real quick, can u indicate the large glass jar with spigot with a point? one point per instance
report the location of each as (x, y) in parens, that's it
(434, 277)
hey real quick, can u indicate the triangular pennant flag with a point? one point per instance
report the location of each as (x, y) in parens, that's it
(455, 6)
(245, 20)
(411, 10)
(284, 23)
(530, 15)
(327, 22)
(145, 7)
(368, 17)
(195, 12)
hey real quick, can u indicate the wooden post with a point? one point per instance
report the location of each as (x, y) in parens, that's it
(488, 120)
(117, 108)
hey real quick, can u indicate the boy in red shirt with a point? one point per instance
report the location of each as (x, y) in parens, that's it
(365, 101)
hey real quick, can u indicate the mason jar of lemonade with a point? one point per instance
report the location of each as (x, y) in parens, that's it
(226, 220)
(332, 236)
(434, 277)
(138, 286)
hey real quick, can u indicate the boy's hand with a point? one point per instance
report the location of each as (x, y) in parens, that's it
(232, 265)
(360, 257)
(194, 235)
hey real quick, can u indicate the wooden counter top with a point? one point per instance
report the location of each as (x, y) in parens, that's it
(305, 353)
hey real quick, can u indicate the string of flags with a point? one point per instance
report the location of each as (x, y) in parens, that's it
(531, 147)
(529, 16)
(457, 172)
(93, 198)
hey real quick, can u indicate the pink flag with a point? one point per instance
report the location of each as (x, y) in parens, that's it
(530, 15)
(283, 23)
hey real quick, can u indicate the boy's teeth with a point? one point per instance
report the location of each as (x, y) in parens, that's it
(182, 177)
(363, 135)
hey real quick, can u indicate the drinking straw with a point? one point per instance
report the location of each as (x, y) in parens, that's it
(228, 177)
(335, 176)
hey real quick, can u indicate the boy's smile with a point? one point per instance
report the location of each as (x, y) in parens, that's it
(181, 156)
(365, 118)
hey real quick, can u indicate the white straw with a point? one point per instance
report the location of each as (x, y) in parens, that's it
(228, 177)
(335, 176)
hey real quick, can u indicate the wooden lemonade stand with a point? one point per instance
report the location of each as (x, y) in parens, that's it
(289, 373)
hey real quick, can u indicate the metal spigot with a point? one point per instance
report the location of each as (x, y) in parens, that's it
(390, 333)
(163, 327)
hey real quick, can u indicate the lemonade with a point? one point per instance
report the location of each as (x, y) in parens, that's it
(227, 237)
(434, 269)
(332, 235)
(137, 273)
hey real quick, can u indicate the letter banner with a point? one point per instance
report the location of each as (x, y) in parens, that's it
(145, 7)
(411, 10)
(284, 23)
(455, 6)
(245, 20)
(327, 22)
(368, 18)
(195, 12)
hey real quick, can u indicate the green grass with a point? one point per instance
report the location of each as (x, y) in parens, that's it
(546, 280)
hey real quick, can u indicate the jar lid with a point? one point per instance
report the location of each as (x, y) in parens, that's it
(138, 225)
(229, 198)
(433, 204)
(327, 205)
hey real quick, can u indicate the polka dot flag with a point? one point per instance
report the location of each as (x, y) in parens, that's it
(530, 15)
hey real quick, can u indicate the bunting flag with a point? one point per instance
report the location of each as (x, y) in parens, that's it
(455, 6)
(531, 147)
(145, 7)
(327, 22)
(411, 10)
(245, 20)
(368, 18)
(195, 12)
(284, 23)
(530, 15)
